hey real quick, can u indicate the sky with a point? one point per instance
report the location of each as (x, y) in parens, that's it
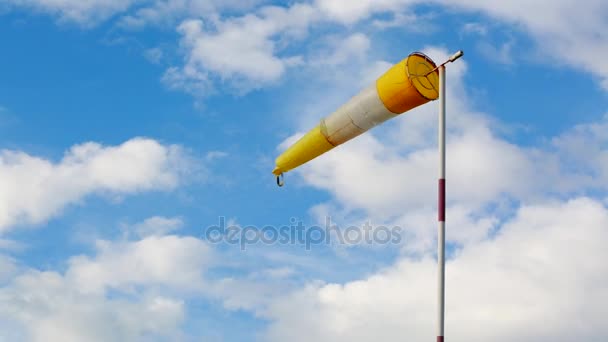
(131, 129)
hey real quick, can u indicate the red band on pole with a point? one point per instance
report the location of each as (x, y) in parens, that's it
(441, 206)
(439, 338)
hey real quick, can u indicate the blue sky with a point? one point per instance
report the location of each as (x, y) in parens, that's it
(129, 127)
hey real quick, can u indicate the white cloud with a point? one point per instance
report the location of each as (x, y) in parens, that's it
(565, 40)
(132, 13)
(214, 155)
(8, 267)
(545, 265)
(349, 49)
(474, 28)
(36, 189)
(400, 20)
(565, 32)
(154, 55)
(85, 13)
(501, 53)
(248, 47)
(11, 245)
(169, 260)
(167, 12)
(585, 150)
(41, 306)
(129, 290)
(349, 12)
(156, 225)
(242, 50)
(190, 80)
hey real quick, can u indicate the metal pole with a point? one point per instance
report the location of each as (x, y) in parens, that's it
(441, 211)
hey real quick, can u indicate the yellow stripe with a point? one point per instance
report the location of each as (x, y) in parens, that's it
(310, 146)
(405, 86)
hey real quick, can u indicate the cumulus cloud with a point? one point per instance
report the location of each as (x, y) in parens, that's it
(167, 12)
(501, 53)
(132, 289)
(230, 47)
(36, 189)
(155, 260)
(127, 290)
(585, 149)
(85, 13)
(154, 55)
(43, 306)
(133, 14)
(349, 12)
(349, 49)
(241, 50)
(545, 265)
(576, 43)
(156, 225)
(556, 35)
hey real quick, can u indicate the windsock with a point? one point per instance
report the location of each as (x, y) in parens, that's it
(406, 85)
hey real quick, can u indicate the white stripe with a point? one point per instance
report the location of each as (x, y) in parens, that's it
(359, 114)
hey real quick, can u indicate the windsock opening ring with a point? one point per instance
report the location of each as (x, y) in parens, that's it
(423, 73)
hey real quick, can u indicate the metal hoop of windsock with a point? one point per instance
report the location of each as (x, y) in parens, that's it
(408, 84)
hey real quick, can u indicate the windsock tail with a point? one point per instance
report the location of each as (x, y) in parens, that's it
(310, 146)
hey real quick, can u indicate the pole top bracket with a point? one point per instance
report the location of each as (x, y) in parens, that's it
(452, 58)
(455, 56)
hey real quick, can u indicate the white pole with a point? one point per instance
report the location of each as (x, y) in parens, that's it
(441, 210)
(441, 202)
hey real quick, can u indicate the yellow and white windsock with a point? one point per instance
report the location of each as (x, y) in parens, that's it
(408, 84)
